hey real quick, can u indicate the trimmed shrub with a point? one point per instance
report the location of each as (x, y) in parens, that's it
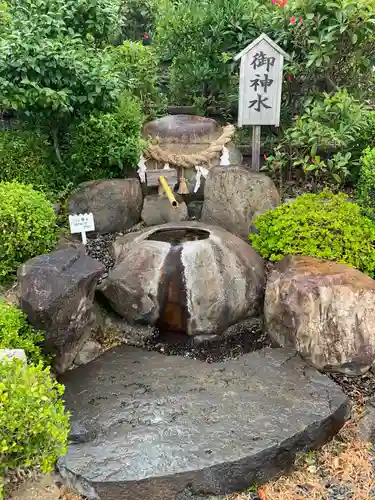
(17, 333)
(107, 144)
(366, 182)
(33, 424)
(325, 225)
(27, 226)
(367, 134)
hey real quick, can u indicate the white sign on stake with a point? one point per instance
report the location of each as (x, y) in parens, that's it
(261, 78)
(82, 223)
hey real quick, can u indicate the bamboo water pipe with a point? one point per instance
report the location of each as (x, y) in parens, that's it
(168, 191)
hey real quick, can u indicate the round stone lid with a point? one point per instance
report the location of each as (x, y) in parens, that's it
(183, 129)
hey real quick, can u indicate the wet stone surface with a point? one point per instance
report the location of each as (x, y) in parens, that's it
(148, 426)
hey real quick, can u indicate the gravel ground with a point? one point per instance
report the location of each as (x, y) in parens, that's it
(246, 337)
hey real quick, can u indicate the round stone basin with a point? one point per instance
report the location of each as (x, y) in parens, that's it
(179, 236)
(187, 277)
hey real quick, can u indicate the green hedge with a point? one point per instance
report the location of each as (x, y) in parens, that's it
(324, 225)
(27, 226)
(366, 182)
(17, 333)
(34, 426)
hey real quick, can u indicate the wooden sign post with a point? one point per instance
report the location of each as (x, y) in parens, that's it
(261, 77)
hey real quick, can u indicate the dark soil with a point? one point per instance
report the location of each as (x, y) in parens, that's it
(358, 388)
(247, 336)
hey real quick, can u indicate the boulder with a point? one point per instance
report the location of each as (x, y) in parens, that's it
(366, 426)
(185, 277)
(89, 351)
(158, 210)
(147, 426)
(325, 310)
(235, 196)
(57, 293)
(115, 203)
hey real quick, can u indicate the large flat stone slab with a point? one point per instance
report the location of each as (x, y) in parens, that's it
(147, 426)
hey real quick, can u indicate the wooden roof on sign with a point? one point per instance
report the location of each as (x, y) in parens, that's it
(261, 38)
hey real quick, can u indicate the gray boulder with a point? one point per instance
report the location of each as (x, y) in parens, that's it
(235, 196)
(158, 210)
(366, 426)
(57, 293)
(115, 203)
(148, 426)
(90, 350)
(185, 277)
(325, 310)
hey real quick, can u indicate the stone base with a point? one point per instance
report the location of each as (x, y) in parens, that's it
(147, 426)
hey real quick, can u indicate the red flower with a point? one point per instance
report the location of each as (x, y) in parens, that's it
(313, 160)
(290, 78)
(293, 20)
(145, 35)
(265, 156)
(280, 3)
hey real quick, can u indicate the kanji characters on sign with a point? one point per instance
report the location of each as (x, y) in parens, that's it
(260, 82)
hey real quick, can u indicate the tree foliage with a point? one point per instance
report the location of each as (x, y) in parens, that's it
(52, 67)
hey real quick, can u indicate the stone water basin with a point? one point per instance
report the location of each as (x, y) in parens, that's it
(185, 277)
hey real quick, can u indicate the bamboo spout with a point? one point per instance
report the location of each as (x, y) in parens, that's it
(168, 191)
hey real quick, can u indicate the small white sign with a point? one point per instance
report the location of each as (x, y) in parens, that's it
(82, 223)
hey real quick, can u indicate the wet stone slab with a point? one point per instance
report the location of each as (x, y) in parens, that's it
(148, 426)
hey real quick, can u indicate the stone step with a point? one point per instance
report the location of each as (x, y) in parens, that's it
(148, 426)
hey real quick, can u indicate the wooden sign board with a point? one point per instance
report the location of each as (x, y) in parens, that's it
(261, 77)
(152, 177)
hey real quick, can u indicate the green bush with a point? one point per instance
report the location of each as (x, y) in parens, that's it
(331, 44)
(33, 424)
(325, 225)
(198, 38)
(17, 333)
(25, 156)
(107, 144)
(366, 137)
(137, 18)
(27, 226)
(366, 182)
(138, 68)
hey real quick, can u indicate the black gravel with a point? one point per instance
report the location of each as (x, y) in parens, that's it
(358, 388)
(100, 248)
(248, 336)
